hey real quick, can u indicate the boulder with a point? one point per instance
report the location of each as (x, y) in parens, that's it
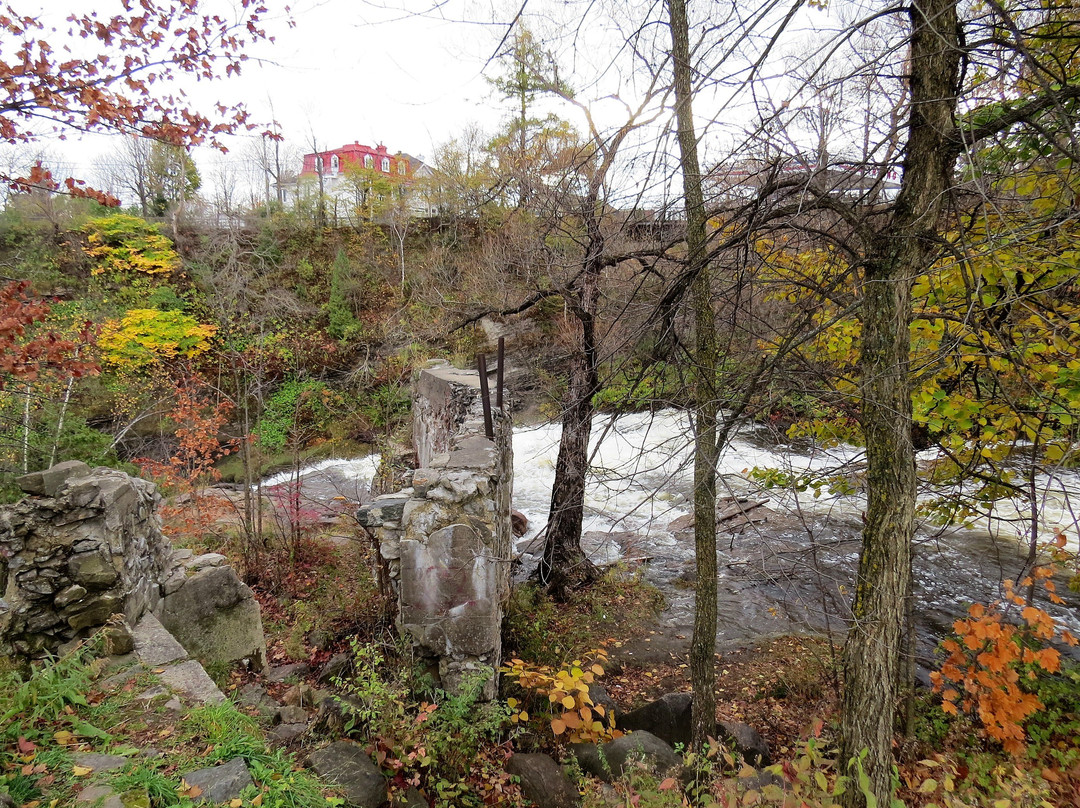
(347, 765)
(668, 718)
(745, 740)
(519, 523)
(412, 798)
(118, 639)
(254, 695)
(284, 734)
(222, 783)
(290, 715)
(610, 761)
(216, 618)
(543, 781)
(599, 695)
(682, 523)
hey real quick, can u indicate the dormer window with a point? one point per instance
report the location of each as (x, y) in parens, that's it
(335, 164)
(386, 165)
(369, 161)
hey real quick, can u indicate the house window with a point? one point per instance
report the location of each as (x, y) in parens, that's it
(401, 167)
(369, 161)
(386, 165)
(334, 163)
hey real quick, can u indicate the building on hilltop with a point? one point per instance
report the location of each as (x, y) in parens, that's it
(355, 179)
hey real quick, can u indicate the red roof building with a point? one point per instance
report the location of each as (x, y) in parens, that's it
(333, 162)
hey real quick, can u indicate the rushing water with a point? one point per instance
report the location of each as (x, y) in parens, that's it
(790, 573)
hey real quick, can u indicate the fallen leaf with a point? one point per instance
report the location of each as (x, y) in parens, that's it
(81, 771)
(25, 746)
(64, 737)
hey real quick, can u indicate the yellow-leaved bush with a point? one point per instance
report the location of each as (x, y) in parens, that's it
(143, 337)
(123, 244)
(564, 695)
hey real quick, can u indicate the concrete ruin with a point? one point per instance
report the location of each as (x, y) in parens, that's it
(447, 537)
(85, 545)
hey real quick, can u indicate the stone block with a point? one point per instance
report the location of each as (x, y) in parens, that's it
(154, 645)
(383, 509)
(68, 596)
(347, 765)
(93, 570)
(190, 681)
(216, 618)
(220, 783)
(449, 592)
(98, 762)
(48, 482)
(95, 611)
(99, 796)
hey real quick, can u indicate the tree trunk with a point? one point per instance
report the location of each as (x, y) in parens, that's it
(704, 369)
(903, 249)
(564, 564)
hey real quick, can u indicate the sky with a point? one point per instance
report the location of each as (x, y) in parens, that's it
(409, 74)
(362, 71)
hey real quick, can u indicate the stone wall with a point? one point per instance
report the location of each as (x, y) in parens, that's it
(85, 545)
(447, 538)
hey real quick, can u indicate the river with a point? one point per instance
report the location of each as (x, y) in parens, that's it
(788, 574)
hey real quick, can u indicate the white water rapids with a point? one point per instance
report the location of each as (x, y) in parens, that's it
(790, 573)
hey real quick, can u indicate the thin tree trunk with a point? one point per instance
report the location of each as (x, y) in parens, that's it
(61, 416)
(564, 564)
(704, 369)
(902, 250)
(26, 431)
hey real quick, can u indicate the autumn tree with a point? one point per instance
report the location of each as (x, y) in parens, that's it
(947, 117)
(115, 73)
(463, 183)
(31, 355)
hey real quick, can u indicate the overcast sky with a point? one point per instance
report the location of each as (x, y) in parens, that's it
(364, 71)
(405, 73)
(409, 77)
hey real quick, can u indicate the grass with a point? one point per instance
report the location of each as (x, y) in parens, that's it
(619, 605)
(62, 708)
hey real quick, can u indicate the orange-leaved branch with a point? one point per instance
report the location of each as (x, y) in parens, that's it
(989, 658)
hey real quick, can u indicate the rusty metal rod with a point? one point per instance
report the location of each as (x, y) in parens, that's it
(499, 374)
(485, 396)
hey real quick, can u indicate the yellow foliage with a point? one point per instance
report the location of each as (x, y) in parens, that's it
(143, 337)
(119, 243)
(566, 691)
